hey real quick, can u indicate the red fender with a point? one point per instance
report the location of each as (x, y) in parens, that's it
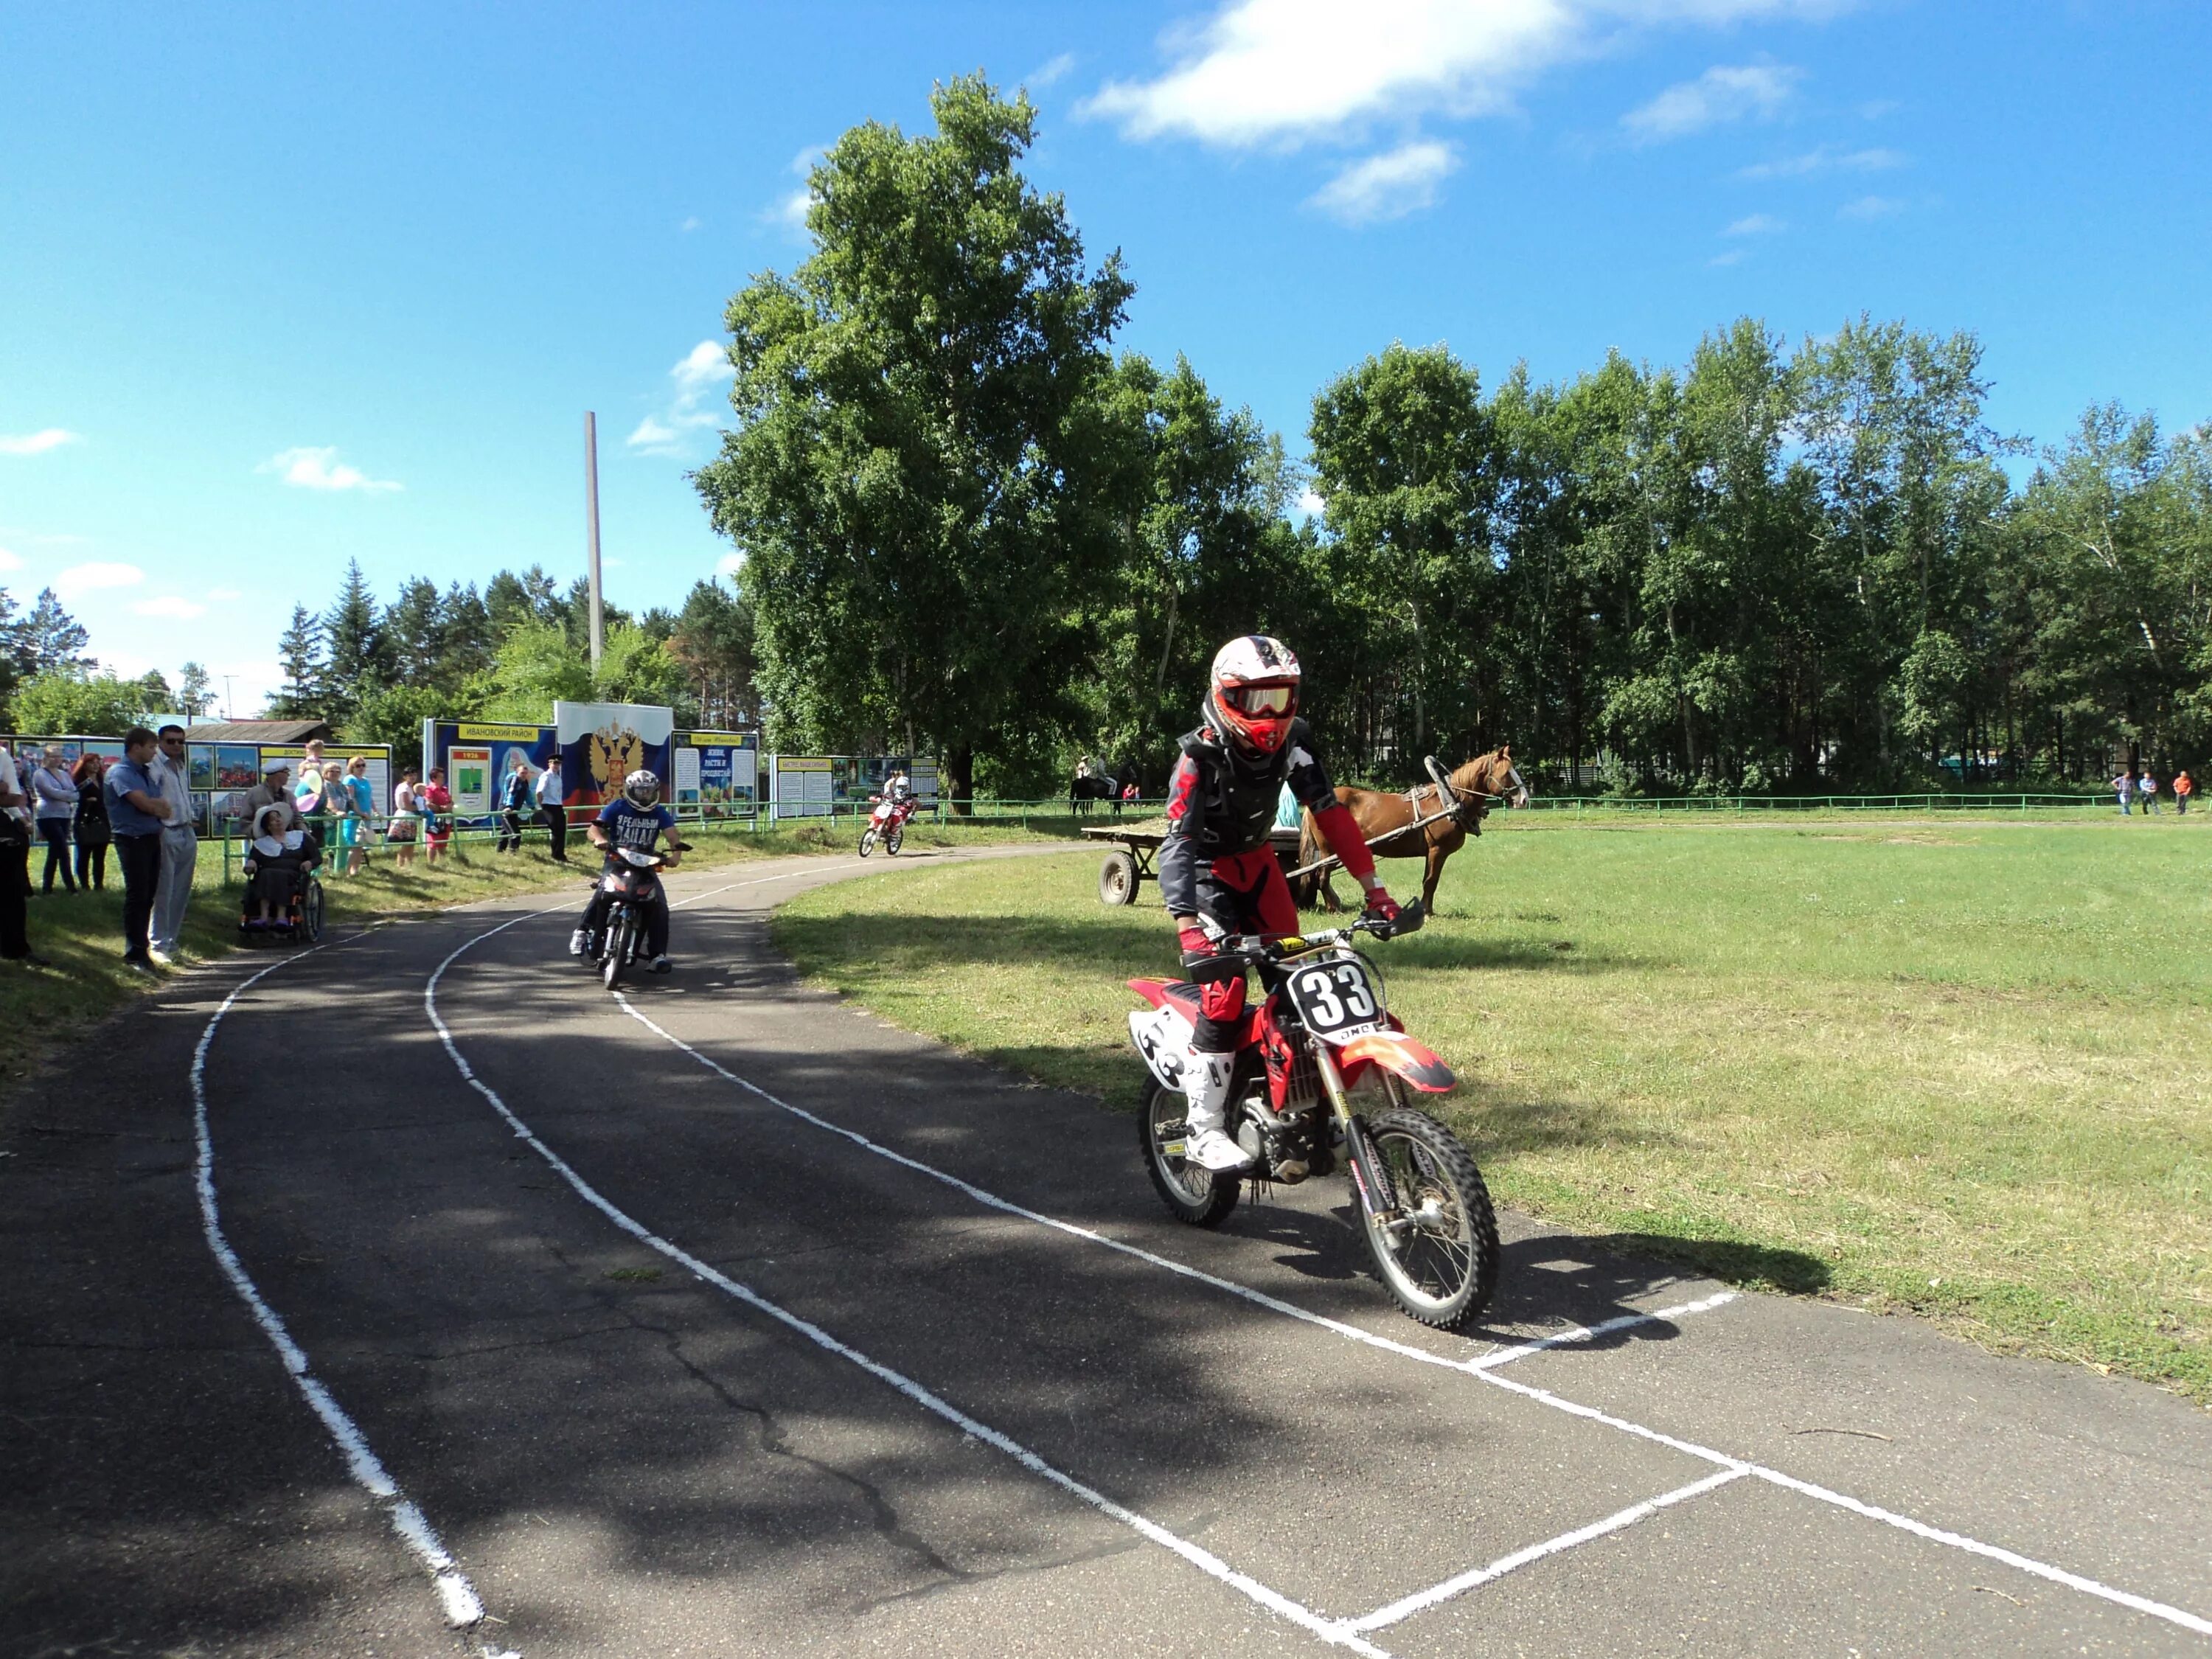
(1396, 1052)
(1154, 991)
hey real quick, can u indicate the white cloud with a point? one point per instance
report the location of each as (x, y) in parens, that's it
(1283, 71)
(1870, 207)
(790, 210)
(1387, 187)
(312, 468)
(1311, 504)
(170, 604)
(689, 224)
(731, 564)
(702, 370)
(1825, 159)
(1732, 257)
(38, 443)
(1726, 92)
(1756, 224)
(1042, 76)
(9, 560)
(88, 578)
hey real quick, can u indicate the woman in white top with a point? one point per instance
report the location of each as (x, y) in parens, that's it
(406, 825)
(55, 792)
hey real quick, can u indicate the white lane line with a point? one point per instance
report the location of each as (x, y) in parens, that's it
(455, 1596)
(1206, 1561)
(1484, 1367)
(1603, 1328)
(1421, 1601)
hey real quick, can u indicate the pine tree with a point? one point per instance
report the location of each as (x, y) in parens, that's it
(56, 639)
(300, 653)
(358, 654)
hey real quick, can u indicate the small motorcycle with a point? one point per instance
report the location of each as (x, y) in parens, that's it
(631, 880)
(1325, 1075)
(886, 825)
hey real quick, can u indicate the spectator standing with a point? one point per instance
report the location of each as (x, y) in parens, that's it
(514, 802)
(553, 807)
(361, 816)
(406, 825)
(2183, 787)
(14, 868)
(311, 758)
(53, 793)
(91, 831)
(136, 809)
(437, 813)
(180, 847)
(2124, 786)
(271, 792)
(2146, 792)
(337, 815)
(307, 793)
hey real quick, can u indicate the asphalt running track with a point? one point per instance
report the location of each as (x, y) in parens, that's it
(417, 1297)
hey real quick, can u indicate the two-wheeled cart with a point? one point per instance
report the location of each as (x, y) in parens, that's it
(1129, 866)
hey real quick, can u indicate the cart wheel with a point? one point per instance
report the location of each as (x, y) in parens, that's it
(1117, 879)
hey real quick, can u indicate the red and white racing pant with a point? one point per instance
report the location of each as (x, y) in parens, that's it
(1241, 893)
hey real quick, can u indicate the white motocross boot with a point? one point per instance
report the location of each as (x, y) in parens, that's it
(1207, 1089)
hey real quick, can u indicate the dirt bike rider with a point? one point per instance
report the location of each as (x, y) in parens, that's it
(898, 789)
(632, 820)
(1217, 871)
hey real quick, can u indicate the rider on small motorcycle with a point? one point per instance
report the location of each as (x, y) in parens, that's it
(634, 820)
(1216, 866)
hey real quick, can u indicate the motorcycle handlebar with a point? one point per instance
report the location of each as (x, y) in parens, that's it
(1271, 947)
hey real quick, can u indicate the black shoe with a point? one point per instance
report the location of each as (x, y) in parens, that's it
(661, 964)
(137, 963)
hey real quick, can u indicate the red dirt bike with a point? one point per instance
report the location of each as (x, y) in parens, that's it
(1325, 1074)
(886, 824)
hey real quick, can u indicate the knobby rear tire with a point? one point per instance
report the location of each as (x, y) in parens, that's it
(1425, 1160)
(894, 840)
(1198, 1197)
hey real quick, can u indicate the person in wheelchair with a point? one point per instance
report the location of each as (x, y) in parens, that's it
(277, 861)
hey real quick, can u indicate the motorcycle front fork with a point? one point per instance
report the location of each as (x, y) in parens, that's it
(1377, 1197)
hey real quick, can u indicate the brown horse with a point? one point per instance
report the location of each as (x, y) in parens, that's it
(1484, 778)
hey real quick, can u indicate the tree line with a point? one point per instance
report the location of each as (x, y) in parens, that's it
(970, 526)
(51, 686)
(377, 670)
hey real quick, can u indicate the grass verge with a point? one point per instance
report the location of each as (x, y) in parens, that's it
(1958, 1069)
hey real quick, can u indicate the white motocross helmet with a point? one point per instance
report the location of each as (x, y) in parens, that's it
(642, 788)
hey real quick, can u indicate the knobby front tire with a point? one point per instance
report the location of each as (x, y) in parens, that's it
(617, 956)
(1193, 1194)
(867, 840)
(1443, 1269)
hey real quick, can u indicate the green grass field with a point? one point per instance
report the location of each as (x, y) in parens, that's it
(1957, 1067)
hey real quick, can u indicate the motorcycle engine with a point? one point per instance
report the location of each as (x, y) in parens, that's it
(1283, 1153)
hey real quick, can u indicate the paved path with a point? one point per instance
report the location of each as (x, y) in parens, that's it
(722, 1319)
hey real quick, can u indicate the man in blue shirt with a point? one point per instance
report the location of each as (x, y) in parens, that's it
(633, 821)
(137, 811)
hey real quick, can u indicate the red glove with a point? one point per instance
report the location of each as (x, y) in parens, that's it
(1193, 941)
(1380, 904)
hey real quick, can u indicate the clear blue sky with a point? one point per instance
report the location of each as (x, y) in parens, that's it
(281, 286)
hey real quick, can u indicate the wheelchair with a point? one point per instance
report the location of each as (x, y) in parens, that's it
(300, 916)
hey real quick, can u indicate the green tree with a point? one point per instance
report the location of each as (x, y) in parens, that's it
(55, 639)
(536, 665)
(360, 652)
(72, 701)
(716, 640)
(194, 695)
(299, 653)
(914, 473)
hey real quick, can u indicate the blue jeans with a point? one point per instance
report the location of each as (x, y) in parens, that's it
(54, 832)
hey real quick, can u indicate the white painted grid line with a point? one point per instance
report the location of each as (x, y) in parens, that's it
(1206, 1561)
(1603, 1328)
(1485, 1367)
(457, 1597)
(1422, 1601)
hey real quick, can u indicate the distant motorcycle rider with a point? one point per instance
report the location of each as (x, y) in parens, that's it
(1216, 866)
(633, 821)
